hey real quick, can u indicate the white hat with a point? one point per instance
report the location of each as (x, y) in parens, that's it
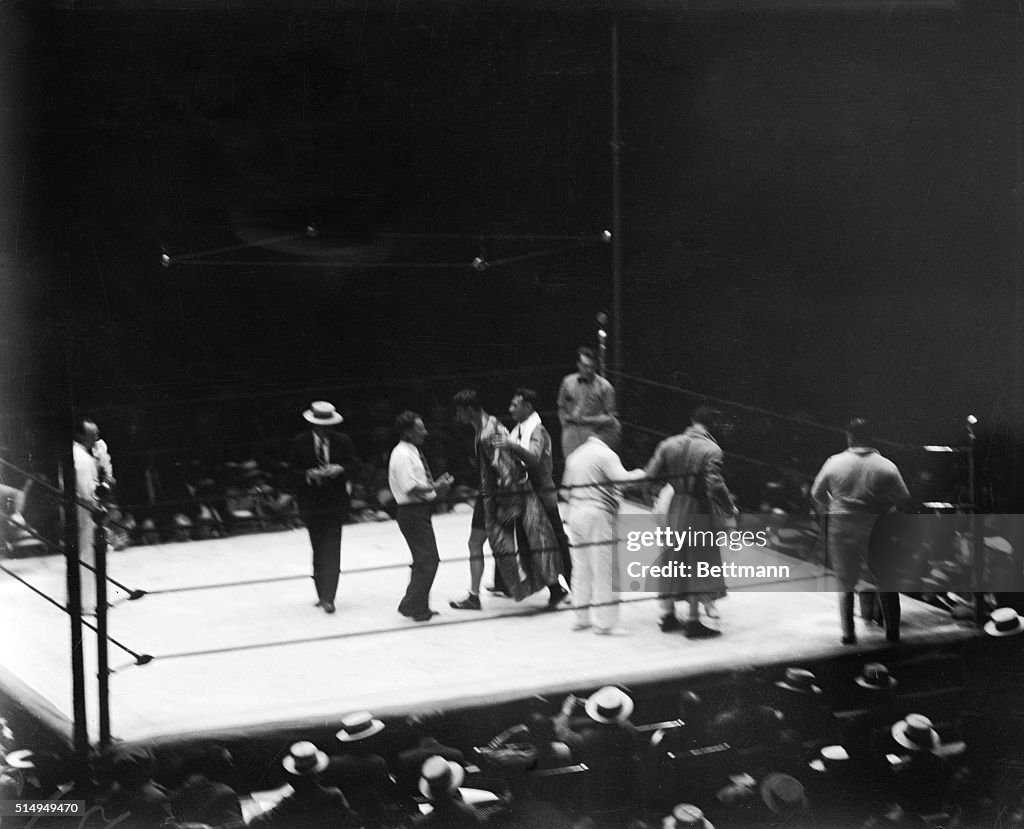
(440, 776)
(686, 816)
(322, 413)
(1004, 621)
(23, 758)
(875, 677)
(799, 681)
(609, 705)
(915, 732)
(359, 726)
(829, 757)
(304, 758)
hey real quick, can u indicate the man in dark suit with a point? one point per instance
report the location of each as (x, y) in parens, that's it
(324, 461)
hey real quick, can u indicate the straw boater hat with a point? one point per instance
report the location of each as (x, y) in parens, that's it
(875, 677)
(1004, 621)
(440, 776)
(686, 816)
(782, 794)
(915, 732)
(609, 705)
(830, 758)
(304, 759)
(799, 681)
(23, 758)
(322, 413)
(359, 726)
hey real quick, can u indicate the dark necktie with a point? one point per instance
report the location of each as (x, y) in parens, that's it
(323, 451)
(426, 466)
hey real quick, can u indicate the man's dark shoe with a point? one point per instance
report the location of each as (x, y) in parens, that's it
(319, 603)
(471, 602)
(892, 636)
(697, 630)
(424, 617)
(328, 607)
(669, 622)
(557, 596)
(850, 639)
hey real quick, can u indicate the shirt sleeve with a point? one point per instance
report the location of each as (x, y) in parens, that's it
(616, 473)
(897, 490)
(819, 489)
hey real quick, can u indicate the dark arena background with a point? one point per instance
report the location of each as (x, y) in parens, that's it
(214, 213)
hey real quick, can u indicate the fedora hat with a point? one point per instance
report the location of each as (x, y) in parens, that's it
(359, 726)
(1004, 621)
(875, 677)
(915, 731)
(799, 681)
(303, 759)
(609, 705)
(440, 776)
(686, 816)
(829, 758)
(23, 758)
(322, 413)
(783, 794)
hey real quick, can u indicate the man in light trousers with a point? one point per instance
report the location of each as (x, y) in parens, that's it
(592, 477)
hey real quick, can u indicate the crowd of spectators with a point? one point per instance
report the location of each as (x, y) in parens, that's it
(859, 750)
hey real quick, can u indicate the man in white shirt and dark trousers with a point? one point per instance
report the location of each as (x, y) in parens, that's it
(415, 492)
(593, 473)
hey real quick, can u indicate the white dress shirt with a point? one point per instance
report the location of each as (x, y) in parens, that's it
(406, 473)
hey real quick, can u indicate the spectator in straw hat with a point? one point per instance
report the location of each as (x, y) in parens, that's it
(360, 769)
(808, 719)
(324, 461)
(922, 764)
(439, 783)
(605, 742)
(311, 805)
(875, 699)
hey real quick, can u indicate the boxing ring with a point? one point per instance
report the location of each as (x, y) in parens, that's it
(223, 635)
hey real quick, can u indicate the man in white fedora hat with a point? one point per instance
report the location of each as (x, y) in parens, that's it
(311, 804)
(439, 783)
(360, 769)
(605, 742)
(324, 461)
